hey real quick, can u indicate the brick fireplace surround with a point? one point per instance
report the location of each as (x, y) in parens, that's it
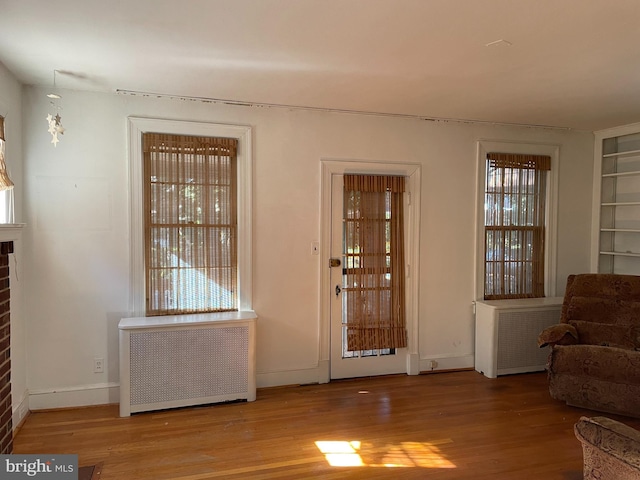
(6, 427)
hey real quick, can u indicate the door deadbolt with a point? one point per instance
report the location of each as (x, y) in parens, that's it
(334, 262)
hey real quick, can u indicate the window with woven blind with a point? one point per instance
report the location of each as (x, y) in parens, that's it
(191, 223)
(514, 214)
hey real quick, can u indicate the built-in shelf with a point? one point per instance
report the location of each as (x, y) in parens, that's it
(620, 204)
(621, 254)
(621, 174)
(628, 153)
(628, 230)
(616, 233)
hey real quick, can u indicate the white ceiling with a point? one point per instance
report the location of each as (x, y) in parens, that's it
(565, 63)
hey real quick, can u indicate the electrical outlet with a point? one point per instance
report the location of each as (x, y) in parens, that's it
(433, 364)
(98, 365)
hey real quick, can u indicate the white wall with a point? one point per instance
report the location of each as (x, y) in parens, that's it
(77, 265)
(11, 109)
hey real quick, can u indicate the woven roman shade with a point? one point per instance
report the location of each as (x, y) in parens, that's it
(517, 160)
(191, 223)
(515, 197)
(374, 262)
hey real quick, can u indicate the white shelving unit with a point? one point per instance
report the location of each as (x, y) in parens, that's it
(616, 235)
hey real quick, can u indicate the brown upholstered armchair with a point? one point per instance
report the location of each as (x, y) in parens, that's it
(594, 360)
(611, 450)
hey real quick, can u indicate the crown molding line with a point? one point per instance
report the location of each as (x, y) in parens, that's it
(239, 103)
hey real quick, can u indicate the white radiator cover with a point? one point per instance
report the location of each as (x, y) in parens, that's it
(183, 360)
(507, 332)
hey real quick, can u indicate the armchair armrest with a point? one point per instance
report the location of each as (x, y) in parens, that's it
(611, 437)
(560, 334)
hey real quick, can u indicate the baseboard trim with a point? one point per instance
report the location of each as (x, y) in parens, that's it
(413, 364)
(109, 393)
(77, 396)
(447, 363)
(303, 376)
(20, 412)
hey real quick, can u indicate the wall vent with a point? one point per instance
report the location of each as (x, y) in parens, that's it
(507, 332)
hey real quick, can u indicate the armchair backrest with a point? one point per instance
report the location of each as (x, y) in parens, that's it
(604, 308)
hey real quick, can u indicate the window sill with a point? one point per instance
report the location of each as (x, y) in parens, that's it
(523, 302)
(192, 319)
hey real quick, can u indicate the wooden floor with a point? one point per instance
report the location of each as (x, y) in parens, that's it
(457, 425)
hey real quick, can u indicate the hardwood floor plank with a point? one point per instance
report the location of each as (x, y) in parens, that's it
(457, 425)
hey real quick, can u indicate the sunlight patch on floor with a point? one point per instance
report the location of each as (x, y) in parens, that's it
(341, 454)
(404, 454)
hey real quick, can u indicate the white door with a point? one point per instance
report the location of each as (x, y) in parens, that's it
(345, 363)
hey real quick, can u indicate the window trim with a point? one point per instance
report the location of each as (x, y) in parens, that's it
(137, 126)
(551, 241)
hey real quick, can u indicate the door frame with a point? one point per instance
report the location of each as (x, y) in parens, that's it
(413, 172)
